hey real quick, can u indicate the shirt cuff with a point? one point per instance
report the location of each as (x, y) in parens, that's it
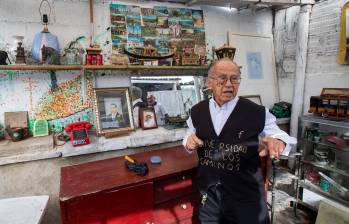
(184, 142)
(290, 142)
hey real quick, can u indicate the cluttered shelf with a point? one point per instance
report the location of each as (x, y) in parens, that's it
(326, 167)
(39, 148)
(333, 147)
(343, 123)
(43, 147)
(41, 67)
(194, 70)
(310, 186)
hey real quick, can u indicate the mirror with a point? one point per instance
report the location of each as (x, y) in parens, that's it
(171, 96)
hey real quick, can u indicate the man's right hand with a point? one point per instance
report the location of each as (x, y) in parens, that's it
(193, 142)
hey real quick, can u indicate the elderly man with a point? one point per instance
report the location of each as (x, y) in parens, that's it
(159, 109)
(137, 103)
(225, 132)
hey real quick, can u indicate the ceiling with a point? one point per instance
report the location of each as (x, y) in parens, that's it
(239, 3)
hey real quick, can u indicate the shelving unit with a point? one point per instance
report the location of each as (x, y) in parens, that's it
(143, 70)
(330, 160)
(41, 67)
(312, 187)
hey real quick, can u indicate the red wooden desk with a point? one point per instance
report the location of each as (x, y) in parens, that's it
(105, 192)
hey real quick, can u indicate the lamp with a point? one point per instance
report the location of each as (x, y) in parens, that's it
(20, 56)
(44, 38)
(225, 51)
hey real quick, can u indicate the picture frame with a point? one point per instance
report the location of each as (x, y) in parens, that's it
(113, 111)
(148, 118)
(254, 98)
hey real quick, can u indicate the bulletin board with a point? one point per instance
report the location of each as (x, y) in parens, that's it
(161, 27)
(255, 53)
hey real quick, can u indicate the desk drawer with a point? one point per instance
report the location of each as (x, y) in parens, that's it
(176, 211)
(173, 187)
(113, 207)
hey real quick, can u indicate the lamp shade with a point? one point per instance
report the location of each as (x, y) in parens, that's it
(40, 39)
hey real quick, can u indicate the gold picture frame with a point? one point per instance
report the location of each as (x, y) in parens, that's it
(113, 111)
(254, 98)
(148, 118)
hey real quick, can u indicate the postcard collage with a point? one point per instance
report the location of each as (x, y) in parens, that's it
(161, 27)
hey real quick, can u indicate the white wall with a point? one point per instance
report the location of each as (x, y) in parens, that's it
(322, 69)
(285, 40)
(70, 19)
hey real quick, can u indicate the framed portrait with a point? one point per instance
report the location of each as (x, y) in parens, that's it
(254, 98)
(148, 118)
(113, 111)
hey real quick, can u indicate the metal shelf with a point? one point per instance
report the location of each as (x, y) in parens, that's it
(325, 121)
(321, 124)
(327, 145)
(307, 205)
(312, 187)
(329, 168)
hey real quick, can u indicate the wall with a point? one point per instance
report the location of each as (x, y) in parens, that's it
(43, 177)
(70, 20)
(285, 40)
(322, 70)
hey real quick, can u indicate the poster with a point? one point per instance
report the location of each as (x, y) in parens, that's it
(254, 65)
(161, 27)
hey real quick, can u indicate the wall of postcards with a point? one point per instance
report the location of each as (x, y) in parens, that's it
(161, 27)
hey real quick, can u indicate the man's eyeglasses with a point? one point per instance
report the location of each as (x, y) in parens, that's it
(222, 80)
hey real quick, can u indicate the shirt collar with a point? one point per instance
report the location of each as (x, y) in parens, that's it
(136, 101)
(226, 105)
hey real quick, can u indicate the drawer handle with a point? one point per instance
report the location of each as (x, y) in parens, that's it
(184, 206)
(183, 178)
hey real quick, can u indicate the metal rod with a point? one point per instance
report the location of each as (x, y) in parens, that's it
(272, 191)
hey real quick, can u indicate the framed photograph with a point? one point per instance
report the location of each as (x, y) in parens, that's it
(113, 110)
(254, 98)
(148, 118)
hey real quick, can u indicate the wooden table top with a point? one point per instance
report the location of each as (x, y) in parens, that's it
(111, 174)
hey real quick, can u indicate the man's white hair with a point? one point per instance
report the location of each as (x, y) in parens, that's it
(213, 65)
(136, 92)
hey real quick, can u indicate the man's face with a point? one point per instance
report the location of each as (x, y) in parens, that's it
(151, 100)
(114, 110)
(222, 88)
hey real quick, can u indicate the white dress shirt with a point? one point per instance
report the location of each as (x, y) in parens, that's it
(135, 112)
(160, 113)
(220, 115)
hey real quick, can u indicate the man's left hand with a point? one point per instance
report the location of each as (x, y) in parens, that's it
(271, 146)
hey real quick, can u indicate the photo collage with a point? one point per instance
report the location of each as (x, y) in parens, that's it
(161, 27)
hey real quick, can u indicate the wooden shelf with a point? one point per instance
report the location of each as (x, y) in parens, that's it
(41, 67)
(146, 70)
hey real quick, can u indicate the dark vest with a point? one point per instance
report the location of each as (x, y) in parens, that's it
(231, 158)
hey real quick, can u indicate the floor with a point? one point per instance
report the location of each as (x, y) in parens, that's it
(284, 192)
(287, 216)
